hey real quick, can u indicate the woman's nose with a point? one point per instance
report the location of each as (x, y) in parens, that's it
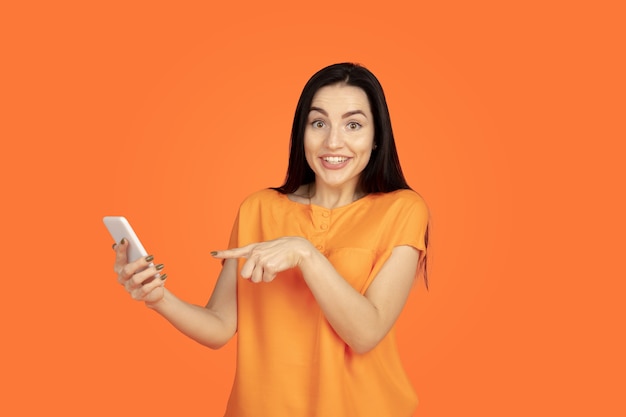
(334, 140)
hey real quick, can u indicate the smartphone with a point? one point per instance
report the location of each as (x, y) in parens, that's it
(120, 228)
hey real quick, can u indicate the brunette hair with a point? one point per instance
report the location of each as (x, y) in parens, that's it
(383, 173)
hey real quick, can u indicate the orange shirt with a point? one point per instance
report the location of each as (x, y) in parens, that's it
(290, 362)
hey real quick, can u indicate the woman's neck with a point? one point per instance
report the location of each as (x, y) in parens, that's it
(329, 197)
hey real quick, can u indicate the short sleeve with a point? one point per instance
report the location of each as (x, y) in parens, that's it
(409, 219)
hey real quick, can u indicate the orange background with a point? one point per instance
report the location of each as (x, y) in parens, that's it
(509, 120)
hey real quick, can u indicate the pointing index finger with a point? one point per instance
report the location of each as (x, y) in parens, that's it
(234, 253)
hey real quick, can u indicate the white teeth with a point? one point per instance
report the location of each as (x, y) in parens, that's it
(335, 159)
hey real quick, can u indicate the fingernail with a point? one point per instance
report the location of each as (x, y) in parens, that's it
(163, 277)
(114, 245)
(123, 241)
(149, 258)
(213, 253)
(159, 267)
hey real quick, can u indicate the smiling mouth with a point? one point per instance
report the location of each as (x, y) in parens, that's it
(335, 159)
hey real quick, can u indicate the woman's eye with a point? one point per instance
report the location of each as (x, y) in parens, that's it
(318, 124)
(353, 125)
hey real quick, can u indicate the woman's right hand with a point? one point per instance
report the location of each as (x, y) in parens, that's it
(142, 281)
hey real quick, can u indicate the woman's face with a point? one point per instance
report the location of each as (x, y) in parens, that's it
(339, 135)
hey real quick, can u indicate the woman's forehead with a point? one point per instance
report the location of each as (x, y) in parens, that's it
(340, 97)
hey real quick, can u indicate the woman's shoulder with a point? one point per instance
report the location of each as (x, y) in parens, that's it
(263, 194)
(262, 197)
(403, 197)
(401, 212)
(398, 204)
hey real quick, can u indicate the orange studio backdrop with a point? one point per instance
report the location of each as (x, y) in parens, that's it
(505, 117)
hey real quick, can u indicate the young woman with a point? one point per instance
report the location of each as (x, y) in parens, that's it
(317, 270)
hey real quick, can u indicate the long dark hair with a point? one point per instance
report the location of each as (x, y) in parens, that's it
(383, 173)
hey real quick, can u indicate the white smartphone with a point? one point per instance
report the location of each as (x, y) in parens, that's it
(120, 228)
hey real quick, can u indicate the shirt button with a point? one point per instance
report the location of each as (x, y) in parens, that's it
(324, 226)
(325, 214)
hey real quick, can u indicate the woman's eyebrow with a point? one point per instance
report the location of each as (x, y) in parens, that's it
(319, 110)
(348, 114)
(353, 112)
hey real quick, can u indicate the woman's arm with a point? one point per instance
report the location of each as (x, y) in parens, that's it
(211, 326)
(360, 320)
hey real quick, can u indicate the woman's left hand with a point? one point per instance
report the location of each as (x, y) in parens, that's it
(266, 259)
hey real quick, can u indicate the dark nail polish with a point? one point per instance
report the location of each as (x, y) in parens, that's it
(213, 253)
(123, 241)
(114, 245)
(163, 277)
(149, 258)
(159, 267)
